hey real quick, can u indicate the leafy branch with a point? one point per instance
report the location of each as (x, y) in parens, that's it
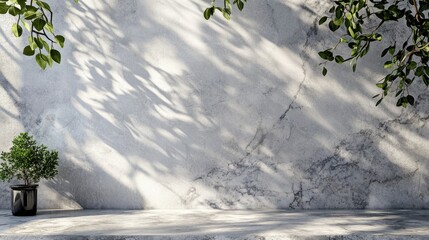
(36, 17)
(360, 22)
(226, 10)
(408, 60)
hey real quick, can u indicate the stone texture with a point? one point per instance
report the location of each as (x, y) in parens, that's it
(154, 107)
(217, 224)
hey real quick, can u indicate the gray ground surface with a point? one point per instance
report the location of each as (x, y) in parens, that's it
(217, 224)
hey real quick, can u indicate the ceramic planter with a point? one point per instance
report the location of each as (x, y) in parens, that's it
(24, 200)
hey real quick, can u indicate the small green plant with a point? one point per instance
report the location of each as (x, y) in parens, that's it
(28, 161)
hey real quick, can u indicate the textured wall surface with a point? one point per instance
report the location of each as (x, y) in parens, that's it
(154, 107)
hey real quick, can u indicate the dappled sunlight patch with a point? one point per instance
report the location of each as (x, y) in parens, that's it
(157, 108)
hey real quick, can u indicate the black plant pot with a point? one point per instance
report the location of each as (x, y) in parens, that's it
(24, 200)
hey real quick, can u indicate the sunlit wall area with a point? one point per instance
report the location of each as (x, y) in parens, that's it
(155, 107)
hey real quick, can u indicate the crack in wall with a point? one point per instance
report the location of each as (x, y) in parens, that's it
(344, 179)
(240, 178)
(304, 57)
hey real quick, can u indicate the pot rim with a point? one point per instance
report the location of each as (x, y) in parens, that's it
(24, 187)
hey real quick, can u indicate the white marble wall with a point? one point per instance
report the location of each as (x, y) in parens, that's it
(154, 107)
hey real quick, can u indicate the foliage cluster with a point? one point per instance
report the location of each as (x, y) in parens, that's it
(28, 161)
(36, 17)
(359, 23)
(226, 10)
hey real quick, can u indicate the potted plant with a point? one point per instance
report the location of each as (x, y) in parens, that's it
(28, 162)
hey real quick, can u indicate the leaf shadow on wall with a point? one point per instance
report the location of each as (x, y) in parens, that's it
(157, 108)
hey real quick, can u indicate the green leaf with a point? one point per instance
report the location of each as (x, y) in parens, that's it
(50, 61)
(208, 12)
(338, 21)
(355, 51)
(324, 71)
(426, 70)
(385, 51)
(28, 51)
(45, 45)
(26, 25)
(399, 102)
(425, 80)
(39, 42)
(339, 59)
(3, 8)
(364, 51)
(392, 50)
(410, 100)
(349, 16)
(16, 30)
(40, 60)
(22, 4)
(56, 56)
(391, 77)
(362, 4)
(60, 40)
(228, 5)
(327, 55)
(339, 12)
(33, 45)
(44, 57)
(333, 27)
(29, 15)
(351, 32)
(322, 20)
(354, 67)
(31, 9)
(399, 92)
(411, 65)
(419, 71)
(31, 42)
(14, 11)
(377, 37)
(39, 24)
(389, 64)
(226, 14)
(402, 102)
(381, 85)
(240, 5)
(43, 5)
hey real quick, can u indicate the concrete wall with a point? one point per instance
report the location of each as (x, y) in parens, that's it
(154, 107)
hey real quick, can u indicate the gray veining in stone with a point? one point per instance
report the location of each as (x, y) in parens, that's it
(154, 107)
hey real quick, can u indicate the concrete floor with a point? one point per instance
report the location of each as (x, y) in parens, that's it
(217, 224)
